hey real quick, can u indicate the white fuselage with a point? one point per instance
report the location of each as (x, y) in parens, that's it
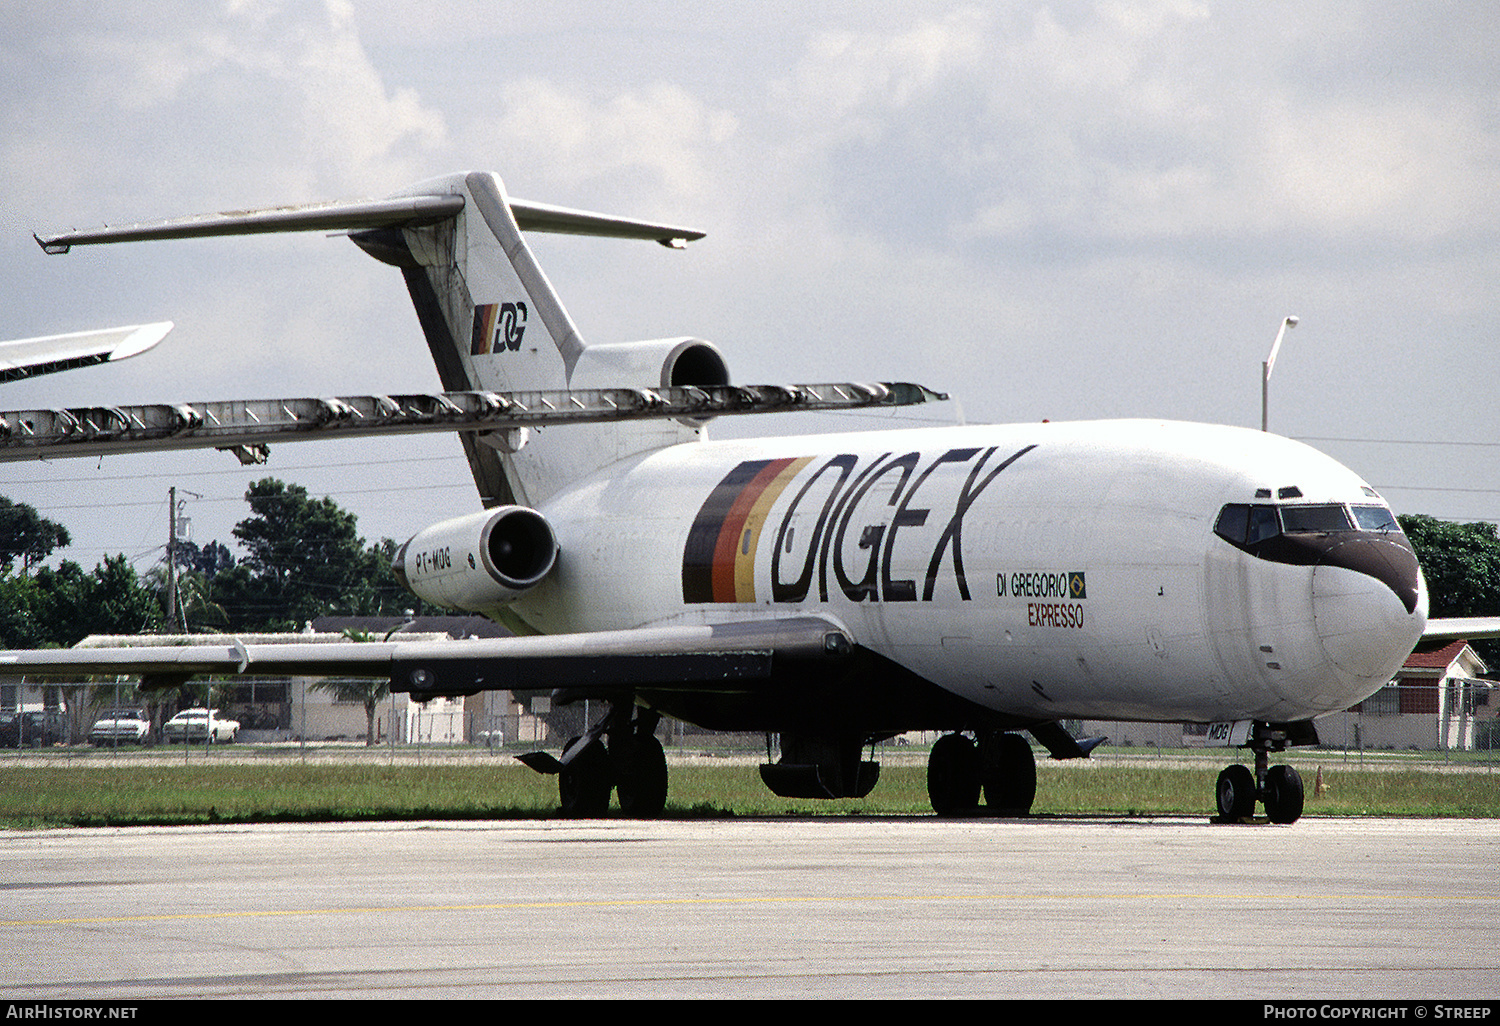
(1048, 570)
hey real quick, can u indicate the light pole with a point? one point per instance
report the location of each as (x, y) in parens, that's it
(1265, 371)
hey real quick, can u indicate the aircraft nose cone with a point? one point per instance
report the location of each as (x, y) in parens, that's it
(1369, 606)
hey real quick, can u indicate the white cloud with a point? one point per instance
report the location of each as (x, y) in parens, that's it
(277, 101)
(655, 144)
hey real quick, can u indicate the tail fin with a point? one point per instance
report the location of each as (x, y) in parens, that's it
(491, 319)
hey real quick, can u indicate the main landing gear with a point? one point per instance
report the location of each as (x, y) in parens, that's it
(1278, 788)
(1000, 765)
(631, 764)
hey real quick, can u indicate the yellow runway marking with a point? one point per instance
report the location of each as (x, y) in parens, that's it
(808, 899)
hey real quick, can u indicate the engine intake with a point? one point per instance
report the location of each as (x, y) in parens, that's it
(480, 561)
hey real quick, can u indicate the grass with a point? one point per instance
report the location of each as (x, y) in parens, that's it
(162, 791)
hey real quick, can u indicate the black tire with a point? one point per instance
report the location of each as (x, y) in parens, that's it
(953, 776)
(1008, 772)
(584, 784)
(641, 777)
(1284, 794)
(1236, 793)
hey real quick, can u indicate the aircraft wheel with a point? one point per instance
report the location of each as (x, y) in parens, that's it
(1283, 797)
(1236, 792)
(584, 784)
(953, 776)
(642, 777)
(1009, 773)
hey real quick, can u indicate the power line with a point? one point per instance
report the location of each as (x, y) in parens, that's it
(457, 458)
(1396, 441)
(240, 498)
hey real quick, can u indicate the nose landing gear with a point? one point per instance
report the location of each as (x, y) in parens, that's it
(1278, 788)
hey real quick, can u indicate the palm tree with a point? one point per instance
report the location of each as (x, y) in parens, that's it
(367, 692)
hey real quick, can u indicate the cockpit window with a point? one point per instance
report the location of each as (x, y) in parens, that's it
(1263, 524)
(1232, 522)
(1244, 524)
(1314, 519)
(1375, 518)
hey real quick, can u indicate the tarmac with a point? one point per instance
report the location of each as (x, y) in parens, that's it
(818, 907)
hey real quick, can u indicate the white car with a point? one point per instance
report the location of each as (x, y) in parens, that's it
(121, 727)
(197, 724)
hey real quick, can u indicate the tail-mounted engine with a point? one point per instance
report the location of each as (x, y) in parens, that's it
(480, 561)
(680, 362)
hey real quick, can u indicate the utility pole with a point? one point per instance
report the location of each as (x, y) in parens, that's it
(172, 558)
(177, 527)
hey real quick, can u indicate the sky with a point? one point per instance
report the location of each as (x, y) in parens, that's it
(1065, 210)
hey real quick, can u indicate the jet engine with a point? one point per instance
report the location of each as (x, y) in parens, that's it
(662, 361)
(480, 561)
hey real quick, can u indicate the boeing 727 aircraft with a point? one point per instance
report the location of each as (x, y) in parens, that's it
(836, 590)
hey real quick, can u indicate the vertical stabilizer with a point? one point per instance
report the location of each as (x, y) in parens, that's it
(493, 322)
(491, 318)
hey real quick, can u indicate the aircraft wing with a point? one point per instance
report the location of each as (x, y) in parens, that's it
(247, 426)
(706, 657)
(1469, 628)
(28, 357)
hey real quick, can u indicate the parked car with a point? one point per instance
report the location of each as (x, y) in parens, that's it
(34, 729)
(195, 724)
(121, 727)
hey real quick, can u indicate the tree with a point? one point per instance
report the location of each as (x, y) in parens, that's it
(27, 535)
(61, 607)
(366, 692)
(304, 559)
(1461, 563)
(208, 560)
(197, 611)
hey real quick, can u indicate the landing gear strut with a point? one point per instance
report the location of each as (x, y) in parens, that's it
(1001, 766)
(1278, 788)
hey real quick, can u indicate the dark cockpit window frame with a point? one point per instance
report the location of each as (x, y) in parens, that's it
(1246, 524)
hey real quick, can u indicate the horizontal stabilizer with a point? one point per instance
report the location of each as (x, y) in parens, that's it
(542, 217)
(28, 357)
(113, 430)
(363, 215)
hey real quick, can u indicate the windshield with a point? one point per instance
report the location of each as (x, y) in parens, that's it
(1375, 518)
(1245, 524)
(1311, 519)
